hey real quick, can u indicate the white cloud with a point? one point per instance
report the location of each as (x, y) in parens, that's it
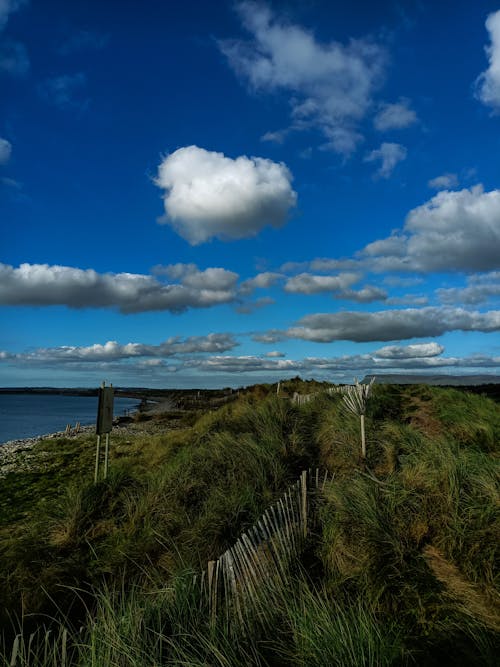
(262, 280)
(403, 281)
(342, 140)
(372, 364)
(481, 278)
(324, 265)
(488, 83)
(364, 363)
(389, 325)
(269, 337)
(444, 182)
(408, 300)
(146, 360)
(366, 294)
(209, 195)
(191, 276)
(389, 155)
(395, 116)
(321, 265)
(212, 279)
(291, 267)
(330, 84)
(479, 290)
(393, 246)
(5, 151)
(306, 283)
(44, 285)
(453, 231)
(276, 137)
(242, 364)
(114, 351)
(174, 271)
(456, 230)
(418, 350)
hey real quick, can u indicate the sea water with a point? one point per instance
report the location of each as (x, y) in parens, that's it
(29, 415)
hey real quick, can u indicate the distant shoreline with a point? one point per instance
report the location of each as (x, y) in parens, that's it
(68, 391)
(27, 415)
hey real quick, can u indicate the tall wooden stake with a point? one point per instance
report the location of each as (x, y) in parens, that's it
(363, 439)
(303, 488)
(96, 474)
(106, 457)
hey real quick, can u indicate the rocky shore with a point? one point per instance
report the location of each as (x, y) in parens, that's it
(15, 454)
(19, 454)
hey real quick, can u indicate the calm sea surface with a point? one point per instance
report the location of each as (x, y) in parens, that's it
(27, 415)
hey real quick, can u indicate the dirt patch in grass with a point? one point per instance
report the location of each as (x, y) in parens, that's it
(422, 418)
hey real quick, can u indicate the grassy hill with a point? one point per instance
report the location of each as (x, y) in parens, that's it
(399, 569)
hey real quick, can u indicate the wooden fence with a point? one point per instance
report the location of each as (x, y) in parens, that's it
(302, 399)
(241, 581)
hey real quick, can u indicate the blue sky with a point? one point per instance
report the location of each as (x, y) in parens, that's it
(216, 194)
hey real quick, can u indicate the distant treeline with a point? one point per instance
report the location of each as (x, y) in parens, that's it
(124, 392)
(489, 389)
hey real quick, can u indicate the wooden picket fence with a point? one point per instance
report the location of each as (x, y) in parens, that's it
(302, 399)
(242, 580)
(41, 648)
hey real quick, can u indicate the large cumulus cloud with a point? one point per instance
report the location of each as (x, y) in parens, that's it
(453, 231)
(208, 195)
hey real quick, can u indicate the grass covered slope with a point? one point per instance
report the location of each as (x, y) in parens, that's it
(401, 568)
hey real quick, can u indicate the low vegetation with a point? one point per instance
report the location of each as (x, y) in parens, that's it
(399, 569)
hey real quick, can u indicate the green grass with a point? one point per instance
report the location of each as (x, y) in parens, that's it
(401, 568)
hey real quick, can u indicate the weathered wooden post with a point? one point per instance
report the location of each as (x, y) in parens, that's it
(303, 503)
(355, 398)
(104, 424)
(97, 453)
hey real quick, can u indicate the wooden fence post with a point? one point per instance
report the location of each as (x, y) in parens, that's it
(97, 454)
(303, 484)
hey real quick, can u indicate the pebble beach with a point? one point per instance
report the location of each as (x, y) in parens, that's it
(18, 454)
(15, 454)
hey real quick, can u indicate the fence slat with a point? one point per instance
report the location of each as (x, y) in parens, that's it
(303, 489)
(242, 576)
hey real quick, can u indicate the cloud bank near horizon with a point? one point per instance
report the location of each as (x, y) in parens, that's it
(203, 354)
